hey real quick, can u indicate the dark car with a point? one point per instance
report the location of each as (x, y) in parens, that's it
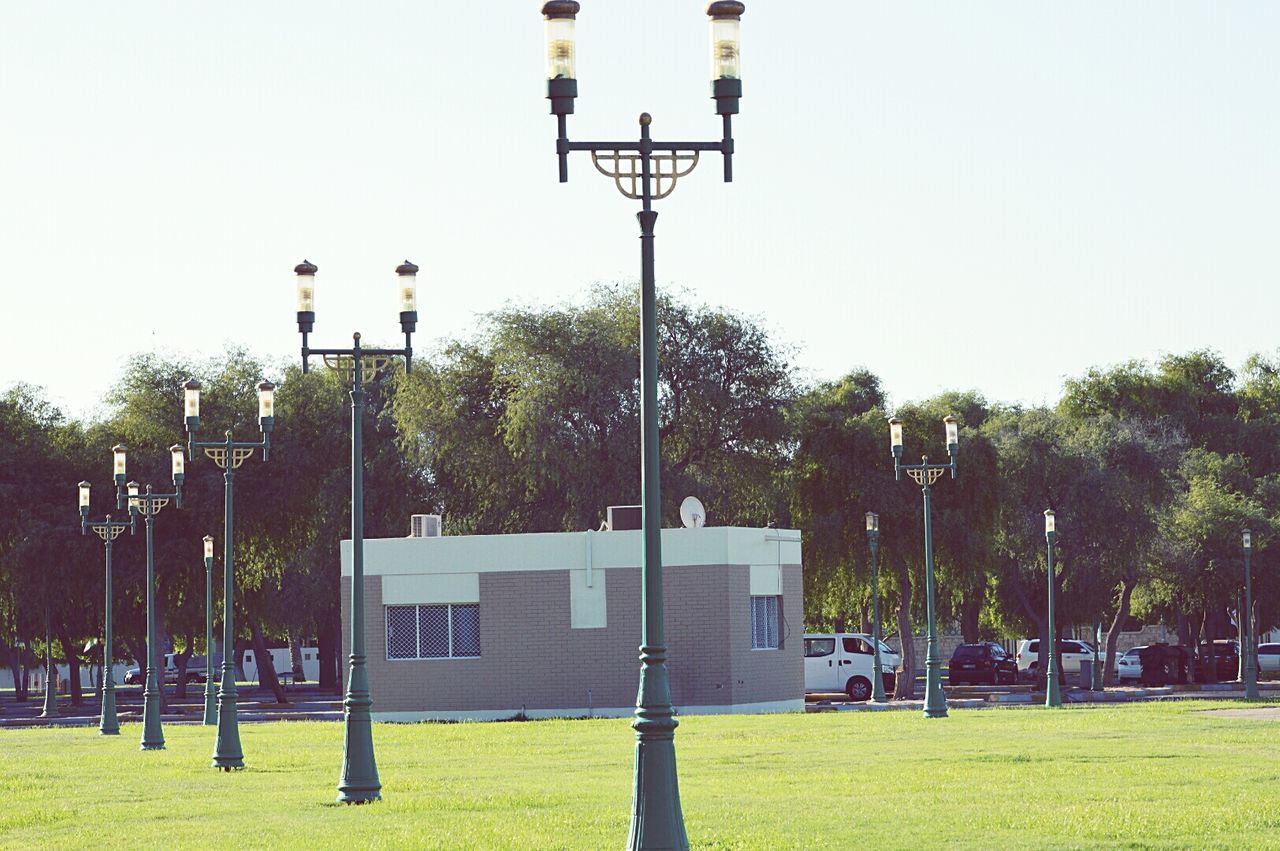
(984, 663)
(1226, 654)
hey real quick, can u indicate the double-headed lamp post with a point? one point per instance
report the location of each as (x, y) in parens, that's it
(228, 454)
(108, 530)
(1247, 646)
(1052, 694)
(925, 474)
(877, 669)
(358, 365)
(148, 504)
(210, 694)
(646, 171)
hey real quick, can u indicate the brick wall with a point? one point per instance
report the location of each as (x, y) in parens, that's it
(532, 658)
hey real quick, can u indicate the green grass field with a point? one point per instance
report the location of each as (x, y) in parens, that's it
(1147, 775)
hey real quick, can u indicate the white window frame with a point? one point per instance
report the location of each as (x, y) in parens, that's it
(776, 625)
(417, 632)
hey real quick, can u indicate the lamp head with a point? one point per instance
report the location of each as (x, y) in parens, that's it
(726, 54)
(177, 460)
(118, 453)
(1049, 525)
(562, 73)
(407, 285)
(208, 549)
(266, 406)
(1246, 539)
(895, 436)
(191, 404)
(873, 522)
(306, 283)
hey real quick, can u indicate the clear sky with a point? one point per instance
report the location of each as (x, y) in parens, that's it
(956, 195)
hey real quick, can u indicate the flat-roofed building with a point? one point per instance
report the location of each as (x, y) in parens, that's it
(488, 626)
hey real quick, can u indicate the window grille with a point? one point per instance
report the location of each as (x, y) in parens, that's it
(764, 623)
(443, 631)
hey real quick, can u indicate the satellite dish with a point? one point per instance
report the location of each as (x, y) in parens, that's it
(692, 514)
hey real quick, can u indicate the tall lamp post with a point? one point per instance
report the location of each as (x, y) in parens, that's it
(1052, 695)
(877, 670)
(108, 530)
(646, 171)
(925, 474)
(228, 454)
(210, 694)
(358, 365)
(1247, 647)
(50, 709)
(148, 504)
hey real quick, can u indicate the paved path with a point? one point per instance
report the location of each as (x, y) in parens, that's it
(1265, 713)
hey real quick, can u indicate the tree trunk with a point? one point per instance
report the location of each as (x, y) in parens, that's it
(295, 658)
(181, 661)
(15, 667)
(73, 666)
(241, 645)
(904, 686)
(1209, 657)
(837, 624)
(1113, 634)
(266, 666)
(970, 611)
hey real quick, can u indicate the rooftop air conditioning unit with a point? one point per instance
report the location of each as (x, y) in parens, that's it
(425, 526)
(621, 518)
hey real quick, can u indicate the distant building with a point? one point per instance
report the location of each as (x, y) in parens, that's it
(487, 626)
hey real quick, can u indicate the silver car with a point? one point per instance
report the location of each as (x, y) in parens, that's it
(1129, 666)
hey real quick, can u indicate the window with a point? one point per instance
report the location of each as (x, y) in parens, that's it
(858, 645)
(764, 623)
(814, 647)
(446, 631)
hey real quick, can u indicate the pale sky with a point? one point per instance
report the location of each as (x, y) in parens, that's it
(955, 195)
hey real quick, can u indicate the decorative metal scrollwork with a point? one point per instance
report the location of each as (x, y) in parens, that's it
(238, 456)
(934, 473)
(150, 507)
(370, 366)
(665, 169)
(113, 531)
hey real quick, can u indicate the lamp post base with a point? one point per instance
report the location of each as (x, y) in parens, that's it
(109, 722)
(656, 820)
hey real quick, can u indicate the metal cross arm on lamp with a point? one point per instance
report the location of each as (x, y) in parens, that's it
(647, 170)
(925, 474)
(108, 530)
(228, 454)
(358, 365)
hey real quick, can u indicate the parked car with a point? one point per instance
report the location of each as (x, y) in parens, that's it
(845, 662)
(196, 672)
(1070, 654)
(1226, 653)
(986, 662)
(1269, 658)
(1129, 666)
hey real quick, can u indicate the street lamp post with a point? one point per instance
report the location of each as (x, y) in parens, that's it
(877, 670)
(148, 504)
(1052, 695)
(1096, 682)
(359, 783)
(108, 530)
(925, 474)
(228, 454)
(1247, 647)
(646, 171)
(210, 695)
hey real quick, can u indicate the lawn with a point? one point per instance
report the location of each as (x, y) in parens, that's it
(1147, 775)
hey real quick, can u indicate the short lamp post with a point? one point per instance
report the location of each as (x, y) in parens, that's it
(646, 171)
(1052, 694)
(148, 504)
(359, 783)
(210, 694)
(1096, 682)
(925, 474)
(1247, 647)
(50, 709)
(108, 530)
(877, 669)
(228, 454)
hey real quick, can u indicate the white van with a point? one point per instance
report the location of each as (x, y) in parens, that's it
(845, 662)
